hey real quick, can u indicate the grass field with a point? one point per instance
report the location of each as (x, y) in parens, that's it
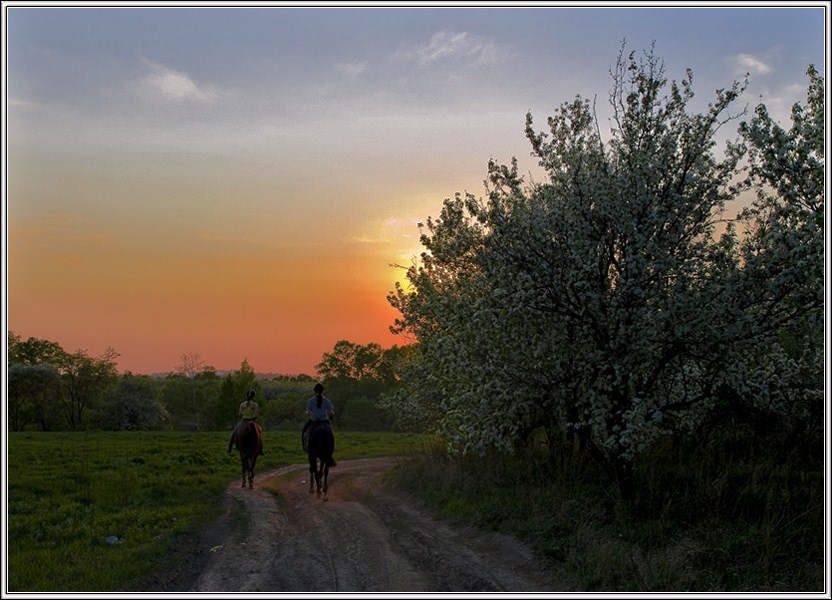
(69, 492)
(90, 511)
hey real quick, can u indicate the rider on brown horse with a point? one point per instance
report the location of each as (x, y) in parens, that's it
(320, 411)
(248, 412)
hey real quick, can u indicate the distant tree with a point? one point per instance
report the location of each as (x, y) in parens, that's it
(33, 351)
(191, 364)
(194, 368)
(363, 362)
(357, 376)
(84, 379)
(365, 414)
(32, 395)
(284, 400)
(394, 361)
(32, 373)
(133, 406)
(232, 392)
(12, 340)
(351, 361)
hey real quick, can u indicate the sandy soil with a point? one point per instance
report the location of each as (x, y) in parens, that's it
(279, 538)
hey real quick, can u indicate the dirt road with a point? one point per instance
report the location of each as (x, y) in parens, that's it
(367, 538)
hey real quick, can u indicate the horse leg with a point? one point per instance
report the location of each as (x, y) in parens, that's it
(311, 475)
(326, 478)
(243, 461)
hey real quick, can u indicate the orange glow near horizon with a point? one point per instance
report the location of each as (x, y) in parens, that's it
(151, 331)
(279, 310)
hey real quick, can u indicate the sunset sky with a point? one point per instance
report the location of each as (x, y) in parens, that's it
(236, 181)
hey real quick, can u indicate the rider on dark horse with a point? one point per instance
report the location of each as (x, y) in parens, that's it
(320, 411)
(248, 412)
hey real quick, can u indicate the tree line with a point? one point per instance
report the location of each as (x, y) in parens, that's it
(615, 307)
(51, 389)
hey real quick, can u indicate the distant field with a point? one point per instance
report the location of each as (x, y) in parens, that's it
(69, 492)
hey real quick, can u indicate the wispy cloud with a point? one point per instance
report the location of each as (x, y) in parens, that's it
(751, 64)
(392, 230)
(164, 83)
(351, 70)
(23, 104)
(455, 46)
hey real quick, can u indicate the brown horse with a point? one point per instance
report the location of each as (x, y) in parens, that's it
(249, 442)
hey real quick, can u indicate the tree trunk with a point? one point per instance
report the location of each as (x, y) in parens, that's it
(553, 443)
(623, 470)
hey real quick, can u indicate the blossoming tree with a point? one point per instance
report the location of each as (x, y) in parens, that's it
(609, 304)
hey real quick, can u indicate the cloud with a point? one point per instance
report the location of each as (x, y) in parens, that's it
(22, 104)
(351, 70)
(164, 83)
(751, 64)
(451, 46)
(392, 230)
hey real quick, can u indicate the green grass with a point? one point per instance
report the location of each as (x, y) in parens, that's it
(750, 527)
(68, 492)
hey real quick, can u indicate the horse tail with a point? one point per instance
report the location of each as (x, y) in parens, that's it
(259, 433)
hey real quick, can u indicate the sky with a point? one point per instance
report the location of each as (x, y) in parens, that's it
(240, 182)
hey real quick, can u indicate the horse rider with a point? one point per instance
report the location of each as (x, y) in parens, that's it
(248, 412)
(319, 409)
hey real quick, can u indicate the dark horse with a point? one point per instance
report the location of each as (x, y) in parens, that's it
(321, 447)
(249, 442)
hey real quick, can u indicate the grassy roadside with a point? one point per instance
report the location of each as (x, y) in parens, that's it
(755, 527)
(69, 492)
